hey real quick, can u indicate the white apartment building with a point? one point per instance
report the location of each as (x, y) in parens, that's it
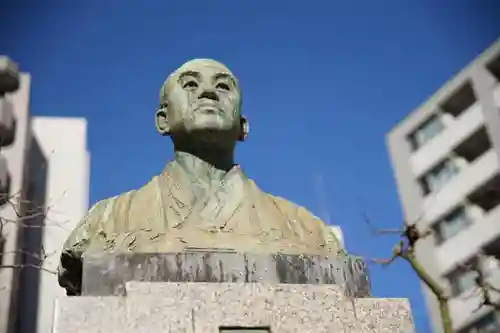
(67, 193)
(446, 161)
(45, 162)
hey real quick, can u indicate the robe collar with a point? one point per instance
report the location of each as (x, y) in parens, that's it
(213, 210)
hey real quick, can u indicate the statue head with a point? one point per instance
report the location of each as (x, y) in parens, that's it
(202, 100)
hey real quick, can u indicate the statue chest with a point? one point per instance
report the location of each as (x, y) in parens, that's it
(169, 226)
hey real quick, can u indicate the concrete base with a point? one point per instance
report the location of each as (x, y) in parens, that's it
(168, 307)
(106, 274)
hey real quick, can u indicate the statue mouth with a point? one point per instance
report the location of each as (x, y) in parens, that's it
(208, 108)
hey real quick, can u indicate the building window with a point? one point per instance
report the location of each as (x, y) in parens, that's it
(494, 67)
(427, 131)
(492, 249)
(462, 280)
(435, 179)
(460, 100)
(487, 324)
(451, 225)
(487, 196)
(475, 146)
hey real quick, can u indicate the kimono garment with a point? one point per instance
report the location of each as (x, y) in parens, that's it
(163, 216)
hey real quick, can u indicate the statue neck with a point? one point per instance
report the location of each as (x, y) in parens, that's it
(206, 163)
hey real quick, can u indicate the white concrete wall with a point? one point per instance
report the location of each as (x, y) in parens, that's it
(63, 142)
(16, 158)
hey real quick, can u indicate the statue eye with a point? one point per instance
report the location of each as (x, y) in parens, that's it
(222, 86)
(190, 85)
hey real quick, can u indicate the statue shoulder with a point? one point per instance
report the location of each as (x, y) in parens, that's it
(331, 235)
(104, 213)
(111, 210)
(100, 207)
(292, 208)
(122, 202)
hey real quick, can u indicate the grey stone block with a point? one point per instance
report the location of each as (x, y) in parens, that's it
(212, 307)
(107, 274)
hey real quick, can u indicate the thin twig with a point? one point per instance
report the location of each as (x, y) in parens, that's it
(21, 266)
(25, 212)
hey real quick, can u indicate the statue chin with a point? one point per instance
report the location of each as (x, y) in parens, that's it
(210, 125)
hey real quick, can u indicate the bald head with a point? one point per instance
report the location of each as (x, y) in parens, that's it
(202, 97)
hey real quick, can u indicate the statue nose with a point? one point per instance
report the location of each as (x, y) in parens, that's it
(209, 94)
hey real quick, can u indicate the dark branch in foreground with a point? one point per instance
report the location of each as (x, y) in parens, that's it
(409, 236)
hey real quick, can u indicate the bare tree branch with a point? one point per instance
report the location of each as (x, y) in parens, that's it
(409, 236)
(26, 214)
(405, 249)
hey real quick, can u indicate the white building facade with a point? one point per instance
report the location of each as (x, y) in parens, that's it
(48, 168)
(63, 143)
(446, 161)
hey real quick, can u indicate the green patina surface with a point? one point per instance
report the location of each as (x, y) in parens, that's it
(202, 199)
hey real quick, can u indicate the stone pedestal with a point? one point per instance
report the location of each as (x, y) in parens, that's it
(218, 292)
(199, 307)
(107, 274)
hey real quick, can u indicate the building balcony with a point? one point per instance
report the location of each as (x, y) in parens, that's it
(9, 75)
(469, 242)
(7, 123)
(483, 232)
(4, 180)
(470, 177)
(465, 310)
(457, 130)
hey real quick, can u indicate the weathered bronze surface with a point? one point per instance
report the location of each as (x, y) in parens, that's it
(202, 199)
(107, 274)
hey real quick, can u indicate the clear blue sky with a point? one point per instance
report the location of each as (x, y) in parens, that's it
(323, 82)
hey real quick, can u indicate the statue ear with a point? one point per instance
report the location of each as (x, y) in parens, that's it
(245, 128)
(161, 120)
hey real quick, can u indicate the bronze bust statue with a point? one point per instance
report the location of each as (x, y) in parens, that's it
(202, 199)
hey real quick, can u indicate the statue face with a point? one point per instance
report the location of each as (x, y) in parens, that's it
(201, 97)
